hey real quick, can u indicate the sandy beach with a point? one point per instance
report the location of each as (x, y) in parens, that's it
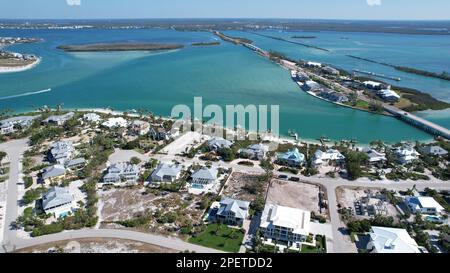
(19, 68)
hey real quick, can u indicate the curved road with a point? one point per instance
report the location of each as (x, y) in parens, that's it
(341, 243)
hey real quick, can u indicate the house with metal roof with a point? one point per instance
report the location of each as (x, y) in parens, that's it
(391, 240)
(285, 224)
(53, 174)
(166, 173)
(291, 158)
(58, 119)
(406, 155)
(424, 204)
(58, 201)
(205, 175)
(254, 151)
(8, 126)
(117, 122)
(320, 157)
(121, 172)
(433, 150)
(375, 156)
(61, 152)
(76, 163)
(232, 211)
(217, 143)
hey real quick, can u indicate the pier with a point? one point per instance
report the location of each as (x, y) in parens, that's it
(418, 122)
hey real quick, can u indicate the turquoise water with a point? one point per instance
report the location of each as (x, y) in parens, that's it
(425, 52)
(225, 74)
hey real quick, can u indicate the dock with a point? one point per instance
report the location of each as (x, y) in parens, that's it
(418, 122)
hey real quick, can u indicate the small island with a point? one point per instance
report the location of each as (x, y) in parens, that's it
(119, 47)
(206, 44)
(16, 62)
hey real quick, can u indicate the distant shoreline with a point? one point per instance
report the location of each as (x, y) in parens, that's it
(118, 47)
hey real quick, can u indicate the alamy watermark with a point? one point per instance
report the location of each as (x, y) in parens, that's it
(238, 122)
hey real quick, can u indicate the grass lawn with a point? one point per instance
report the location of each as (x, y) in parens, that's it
(309, 249)
(219, 237)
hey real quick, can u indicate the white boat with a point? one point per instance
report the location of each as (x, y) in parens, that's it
(293, 74)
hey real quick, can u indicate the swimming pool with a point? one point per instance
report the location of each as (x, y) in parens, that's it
(197, 186)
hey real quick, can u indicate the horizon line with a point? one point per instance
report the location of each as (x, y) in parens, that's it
(232, 18)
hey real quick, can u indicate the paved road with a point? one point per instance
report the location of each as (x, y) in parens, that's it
(14, 149)
(167, 242)
(341, 243)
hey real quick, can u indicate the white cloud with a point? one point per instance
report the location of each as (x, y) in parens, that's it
(374, 2)
(73, 2)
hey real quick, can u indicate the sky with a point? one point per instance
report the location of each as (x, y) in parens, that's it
(301, 9)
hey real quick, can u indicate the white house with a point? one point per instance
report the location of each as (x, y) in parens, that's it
(320, 157)
(61, 152)
(406, 155)
(375, 156)
(424, 204)
(166, 173)
(92, 117)
(289, 225)
(391, 240)
(232, 211)
(433, 150)
(115, 123)
(58, 120)
(373, 85)
(121, 172)
(314, 64)
(205, 176)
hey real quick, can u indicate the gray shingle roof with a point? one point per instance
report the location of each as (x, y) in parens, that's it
(205, 173)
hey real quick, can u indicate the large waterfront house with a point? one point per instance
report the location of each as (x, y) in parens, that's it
(291, 158)
(333, 96)
(373, 85)
(58, 201)
(313, 64)
(204, 176)
(232, 211)
(254, 151)
(375, 157)
(217, 143)
(121, 172)
(58, 119)
(311, 86)
(92, 118)
(166, 173)
(331, 155)
(423, 204)
(53, 174)
(8, 126)
(140, 127)
(159, 133)
(285, 224)
(391, 240)
(406, 155)
(118, 122)
(330, 70)
(433, 150)
(61, 152)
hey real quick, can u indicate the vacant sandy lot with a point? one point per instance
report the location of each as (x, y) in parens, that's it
(295, 195)
(127, 203)
(244, 186)
(97, 245)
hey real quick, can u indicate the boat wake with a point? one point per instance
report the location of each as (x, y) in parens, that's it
(26, 94)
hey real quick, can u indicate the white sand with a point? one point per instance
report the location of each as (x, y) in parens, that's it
(19, 68)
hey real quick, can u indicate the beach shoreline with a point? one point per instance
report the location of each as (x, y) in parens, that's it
(5, 70)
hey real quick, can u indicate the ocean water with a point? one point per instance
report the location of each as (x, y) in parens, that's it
(225, 74)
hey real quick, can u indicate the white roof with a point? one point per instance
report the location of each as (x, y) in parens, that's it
(389, 93)
(115, 122)
(425, 202)
(314, 64)
(296, 219)
(372, 83)
(392, 240)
